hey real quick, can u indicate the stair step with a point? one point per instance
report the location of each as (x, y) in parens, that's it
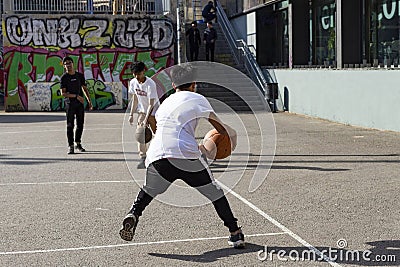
(221, 97)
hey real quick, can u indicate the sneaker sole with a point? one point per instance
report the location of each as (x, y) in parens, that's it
(237, 244)
(128, 231)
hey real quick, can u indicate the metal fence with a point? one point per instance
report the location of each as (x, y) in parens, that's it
(151, 7)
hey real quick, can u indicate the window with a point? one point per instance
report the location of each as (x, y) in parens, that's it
(384, 38)
(324, 32)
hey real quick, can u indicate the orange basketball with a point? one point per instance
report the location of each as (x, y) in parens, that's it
(218, 144)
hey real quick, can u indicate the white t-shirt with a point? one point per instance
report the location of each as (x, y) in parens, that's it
(177, 119)
(144, 92)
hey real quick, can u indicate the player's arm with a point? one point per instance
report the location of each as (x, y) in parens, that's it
(64, 93)
(149, 110)
(133, 107)
(223, 128)
(86, 93)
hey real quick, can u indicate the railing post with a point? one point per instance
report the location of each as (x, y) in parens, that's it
(180, 24)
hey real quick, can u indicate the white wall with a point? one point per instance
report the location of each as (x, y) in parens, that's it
(366, 98)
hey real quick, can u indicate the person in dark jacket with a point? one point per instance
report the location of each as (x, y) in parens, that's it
(74, 90)
(208, 12)
(194, 41)
(210, 36)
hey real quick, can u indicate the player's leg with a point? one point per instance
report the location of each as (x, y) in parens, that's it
(142, 148)
(70, 126)
(159, 176)
(80, 120)
(201, 178)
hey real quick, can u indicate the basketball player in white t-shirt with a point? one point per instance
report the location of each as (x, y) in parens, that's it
(145, 100)
(174, 154)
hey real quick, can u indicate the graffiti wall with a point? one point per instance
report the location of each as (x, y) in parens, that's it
(103, 48)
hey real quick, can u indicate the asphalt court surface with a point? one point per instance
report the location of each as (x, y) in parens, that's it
(328, 183)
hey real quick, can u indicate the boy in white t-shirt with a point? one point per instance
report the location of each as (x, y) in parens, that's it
(145, 101)
(175, 154)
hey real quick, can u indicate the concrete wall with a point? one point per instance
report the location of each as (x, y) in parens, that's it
(366, 98)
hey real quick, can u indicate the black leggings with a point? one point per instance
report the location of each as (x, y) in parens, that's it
(161, 173)
(72, 109)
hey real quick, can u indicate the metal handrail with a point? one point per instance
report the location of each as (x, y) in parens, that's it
(241, 51)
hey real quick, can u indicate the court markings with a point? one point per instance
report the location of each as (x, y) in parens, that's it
(283, 228)
(130, 244)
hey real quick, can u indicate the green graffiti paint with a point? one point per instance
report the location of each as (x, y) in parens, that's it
(57, 100)
(101, 99)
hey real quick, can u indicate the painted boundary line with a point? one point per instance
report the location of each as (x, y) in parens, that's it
(129, 244)
(71, 183)
(47, 147)
(279, 225)
(59, 130)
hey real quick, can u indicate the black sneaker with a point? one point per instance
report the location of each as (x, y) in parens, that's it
(79, 147)
(128, 227)
(237, 241)
(142, 164)
(71, 150)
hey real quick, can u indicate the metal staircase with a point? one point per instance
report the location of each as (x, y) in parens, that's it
(197, 7)
(234, 53)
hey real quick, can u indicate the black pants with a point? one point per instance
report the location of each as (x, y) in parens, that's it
(210, 47)
(161, 173)
(209, 17)
(194, 52)
(74, 108)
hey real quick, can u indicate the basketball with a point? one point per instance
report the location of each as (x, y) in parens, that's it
(218, 144)
(143, 134)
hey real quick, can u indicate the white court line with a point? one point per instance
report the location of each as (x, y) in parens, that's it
(71, 182)
(245, 201)
(279, 225)
(59, 130)
(54, 126)
(47, 147)
(129, 244)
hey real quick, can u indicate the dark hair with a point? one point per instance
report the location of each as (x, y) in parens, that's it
(67, 58)
(138, 66)
(210, 2)
(183, 75)
(209, 22)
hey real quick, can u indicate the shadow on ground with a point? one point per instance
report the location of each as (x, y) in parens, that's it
(211, 256)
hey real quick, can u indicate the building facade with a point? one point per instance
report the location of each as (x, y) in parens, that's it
(333, 59)
(333, 33)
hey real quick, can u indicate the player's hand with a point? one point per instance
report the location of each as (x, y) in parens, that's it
(130, 119)
(90, 106)
(80, 99)
(205, 152)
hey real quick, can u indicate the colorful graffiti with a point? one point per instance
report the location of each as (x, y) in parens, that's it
(103, 48)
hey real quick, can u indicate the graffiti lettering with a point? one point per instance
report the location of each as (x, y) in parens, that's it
(34, 47)
(97, 36)
(76, 32)
(68, 35)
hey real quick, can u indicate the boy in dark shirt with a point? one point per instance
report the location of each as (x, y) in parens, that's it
(73, 89)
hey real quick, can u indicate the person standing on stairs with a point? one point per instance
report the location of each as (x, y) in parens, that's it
(194, 41)
(208, 12)
(210, 36)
